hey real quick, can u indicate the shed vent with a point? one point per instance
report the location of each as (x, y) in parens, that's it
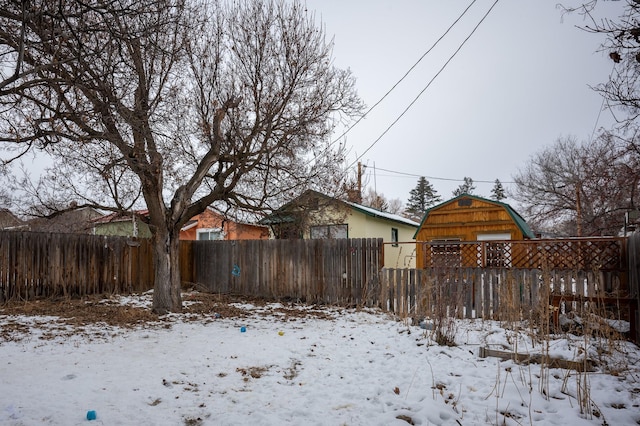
(465, 202)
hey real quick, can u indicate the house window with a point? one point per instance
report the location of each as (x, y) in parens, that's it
(209, 234)
(329, 231)
(394, 236)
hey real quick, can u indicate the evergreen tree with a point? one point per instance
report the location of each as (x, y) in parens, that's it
(466, 188)
(421, 198)
(497, 193)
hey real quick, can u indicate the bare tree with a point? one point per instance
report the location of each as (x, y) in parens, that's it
(395, 206)
(373, 199)
(579, 189)
(175, 104)
(622, 45)
(379, 201)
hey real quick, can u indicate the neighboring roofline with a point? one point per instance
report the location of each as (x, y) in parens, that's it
(189, 225)
(269, 220)
(86, 208)
(11, 228)
(368, 211)
(116, 217)
(125, 216)
(305, 192)
(286, 216)
(224, 217)
(11, 215)
(515, 216)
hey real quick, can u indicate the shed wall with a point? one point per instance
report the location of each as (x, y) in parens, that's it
(466, 222)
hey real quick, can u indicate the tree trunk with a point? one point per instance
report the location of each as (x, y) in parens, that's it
(166, 261)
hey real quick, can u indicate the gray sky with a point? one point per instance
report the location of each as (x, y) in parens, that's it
(518, 84)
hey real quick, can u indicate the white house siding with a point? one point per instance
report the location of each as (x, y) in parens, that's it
(402, 256)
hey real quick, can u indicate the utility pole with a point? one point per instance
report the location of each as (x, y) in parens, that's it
(359, 180)
(578, 212)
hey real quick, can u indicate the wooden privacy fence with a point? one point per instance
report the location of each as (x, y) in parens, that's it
(497, 279)
(35, 264)
(489, 279)
(335, 271)
(486, 293)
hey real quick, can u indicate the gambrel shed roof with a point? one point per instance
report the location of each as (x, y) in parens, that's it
(467, 216)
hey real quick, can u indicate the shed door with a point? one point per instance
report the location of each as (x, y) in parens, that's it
(495, 255)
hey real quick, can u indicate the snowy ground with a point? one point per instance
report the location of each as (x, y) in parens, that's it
(324, 366)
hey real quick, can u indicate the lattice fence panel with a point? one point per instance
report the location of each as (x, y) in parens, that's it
(574, 254)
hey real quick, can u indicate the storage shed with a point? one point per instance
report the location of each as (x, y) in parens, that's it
(467, 218)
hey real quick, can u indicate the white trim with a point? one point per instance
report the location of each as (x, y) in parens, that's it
(208, 230)
(494, 237)
(191, 225)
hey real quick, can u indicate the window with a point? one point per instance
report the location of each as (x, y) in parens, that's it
(329, 231)
(209, 234)
(394, 236)
(287, 231)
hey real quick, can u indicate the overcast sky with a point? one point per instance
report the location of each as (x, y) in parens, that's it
(517, 85)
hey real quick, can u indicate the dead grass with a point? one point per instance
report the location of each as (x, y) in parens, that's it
(79, 312)
(252, 372)
(107, 310)
(68, 317)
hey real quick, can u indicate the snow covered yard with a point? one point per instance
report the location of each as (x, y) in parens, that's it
(294, 364)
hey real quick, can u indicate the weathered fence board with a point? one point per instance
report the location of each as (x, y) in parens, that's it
(633, 256)
(489, 293)
(34, 264)
(338, 271)
(507, 294)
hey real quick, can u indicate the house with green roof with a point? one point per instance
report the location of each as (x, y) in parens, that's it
(316, 215)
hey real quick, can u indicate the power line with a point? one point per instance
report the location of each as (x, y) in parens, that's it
(438, 178)
(406, 74)
(427, 86)
(595, 125)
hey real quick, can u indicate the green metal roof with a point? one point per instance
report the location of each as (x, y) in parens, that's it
(274, 219)
(370, 211)
(515, 216)
(281, 215)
